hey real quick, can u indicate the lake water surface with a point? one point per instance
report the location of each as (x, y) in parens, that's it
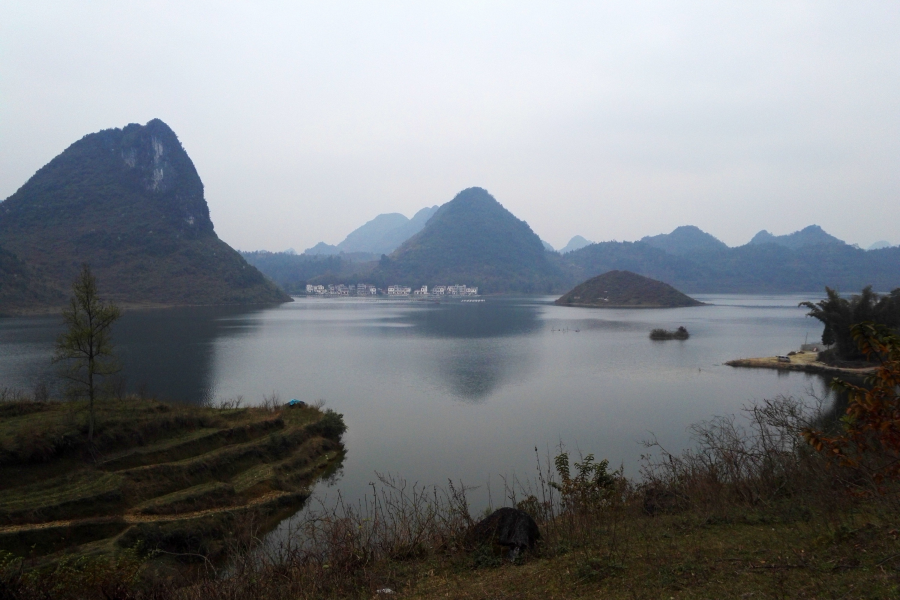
(461, 391)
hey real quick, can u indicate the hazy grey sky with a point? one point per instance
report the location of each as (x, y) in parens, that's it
(609, 120)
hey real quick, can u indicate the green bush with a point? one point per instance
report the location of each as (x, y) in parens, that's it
(331, 425)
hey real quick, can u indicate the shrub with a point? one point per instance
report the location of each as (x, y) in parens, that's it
(869, 441)
(664, 334)
(331, 425)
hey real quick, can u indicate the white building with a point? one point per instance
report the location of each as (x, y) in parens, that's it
(399, 290)
(439, 290)
(422, 291)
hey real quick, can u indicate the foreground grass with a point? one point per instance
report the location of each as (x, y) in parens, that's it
(679, 557)
(637, 556)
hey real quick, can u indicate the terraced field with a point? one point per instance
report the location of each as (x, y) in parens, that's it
(174, 479)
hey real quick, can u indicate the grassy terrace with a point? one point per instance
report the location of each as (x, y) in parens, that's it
(171, 478)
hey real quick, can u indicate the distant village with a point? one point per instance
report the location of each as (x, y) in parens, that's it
(364, 289)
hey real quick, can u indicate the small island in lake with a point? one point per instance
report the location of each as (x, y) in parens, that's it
(624, 289)
(664, 334)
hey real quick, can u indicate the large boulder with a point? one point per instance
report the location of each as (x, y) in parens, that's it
(511, 528)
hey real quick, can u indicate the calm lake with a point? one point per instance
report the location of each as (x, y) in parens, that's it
(461, 391)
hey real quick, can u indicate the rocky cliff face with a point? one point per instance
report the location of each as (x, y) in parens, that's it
(130, 203)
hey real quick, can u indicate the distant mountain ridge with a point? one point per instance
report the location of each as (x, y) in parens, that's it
(382, 235)
(752, 268)
(474, 240)
(812, 235)
(576, 243)
(685, 240)
(130, 203)
(469, 247)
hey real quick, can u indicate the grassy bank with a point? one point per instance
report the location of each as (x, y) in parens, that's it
(172, 482)
(750, 512)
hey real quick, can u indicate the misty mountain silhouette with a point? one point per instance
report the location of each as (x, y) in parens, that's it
(685, 240)
(576, 243)
(808, 236)
(382, 235)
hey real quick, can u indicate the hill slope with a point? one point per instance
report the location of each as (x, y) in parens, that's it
(748, 269)
(576, 243)
(382, 235)
(812, 235)
(473, 240)
(685, 240)
(21, 288)
(395, 238)
(624, 289)
(370, 235)
(130, 203)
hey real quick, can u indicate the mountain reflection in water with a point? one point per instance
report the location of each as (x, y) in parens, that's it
(497, 318)
(169, 353)
(477, 353)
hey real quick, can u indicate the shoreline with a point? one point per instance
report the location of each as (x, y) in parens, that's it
(646, 306)
(40, 311)
(805, 362)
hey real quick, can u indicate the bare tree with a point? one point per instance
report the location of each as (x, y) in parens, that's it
(86, 348)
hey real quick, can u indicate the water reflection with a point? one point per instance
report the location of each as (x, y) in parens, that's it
(494, 318)
(474, 371)
(170, 353)
(26, 347)
(482, 346)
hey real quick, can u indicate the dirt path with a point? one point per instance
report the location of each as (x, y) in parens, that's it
(136, 518)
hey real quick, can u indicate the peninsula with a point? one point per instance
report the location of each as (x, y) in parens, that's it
(805, 361)
(171, 479)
